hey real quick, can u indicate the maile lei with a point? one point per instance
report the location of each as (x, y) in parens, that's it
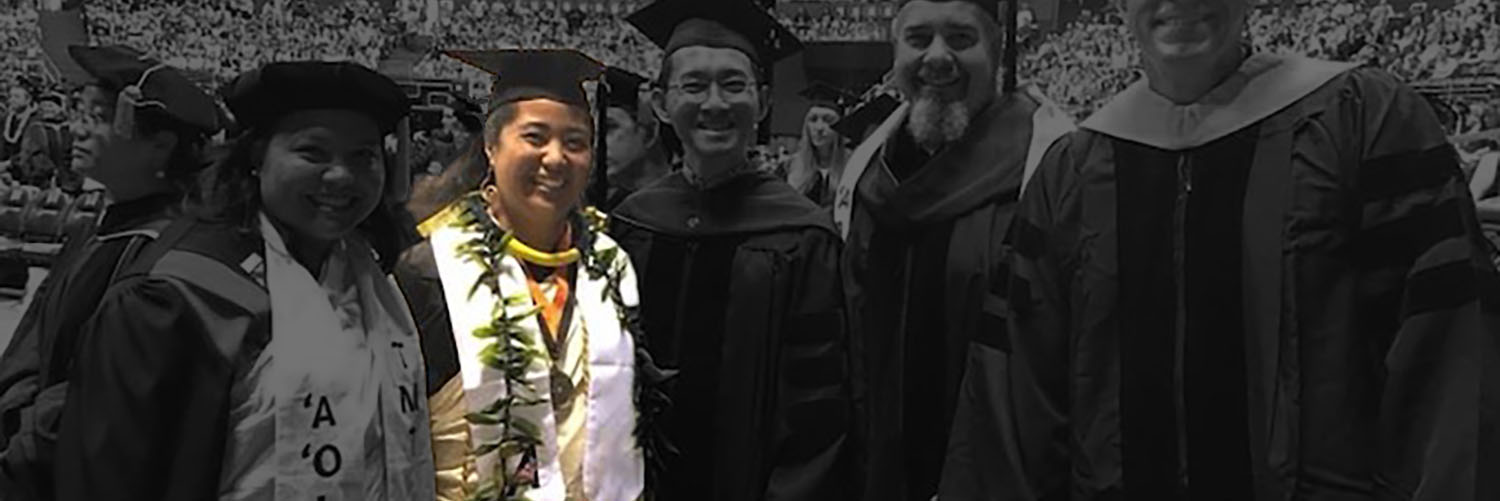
(511, 353)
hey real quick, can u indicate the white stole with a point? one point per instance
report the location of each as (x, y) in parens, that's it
(613, 466)
(343, 366)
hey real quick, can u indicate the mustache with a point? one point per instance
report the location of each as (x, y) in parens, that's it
(940, 71)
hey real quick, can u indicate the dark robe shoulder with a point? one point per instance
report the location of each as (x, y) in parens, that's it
(1354, 278)
(146, 415)
(752, 202)
(740, 294)
(924, 273)
(47, 338)
(417, 275)
(983, 167)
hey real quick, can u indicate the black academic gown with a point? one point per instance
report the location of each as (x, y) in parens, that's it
(34, 370)
(922, 266)
(740, 293)
(147, 410)
(618, 192)
(819, 189)
(1284, 300)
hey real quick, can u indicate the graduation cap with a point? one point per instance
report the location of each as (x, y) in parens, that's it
(827, 96)
(623, 89)
(992, 7)
(142, 82)
(556, 74)
(733, 24)
(262, 96)
(866, 115)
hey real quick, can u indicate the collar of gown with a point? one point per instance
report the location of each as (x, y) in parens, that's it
(1263, 85)
(749, 202)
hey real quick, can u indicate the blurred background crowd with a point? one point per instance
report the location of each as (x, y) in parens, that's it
(1079, 62)
(1077, 52)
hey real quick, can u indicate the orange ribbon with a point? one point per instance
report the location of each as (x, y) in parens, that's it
(552, 310)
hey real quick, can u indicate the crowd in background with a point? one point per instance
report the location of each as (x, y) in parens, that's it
(1084, 64)
(1079, 65)
(835, 28)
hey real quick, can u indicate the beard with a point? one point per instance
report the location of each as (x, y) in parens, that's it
(935, 122)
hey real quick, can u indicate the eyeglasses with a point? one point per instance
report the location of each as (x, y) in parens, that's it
(697, 90)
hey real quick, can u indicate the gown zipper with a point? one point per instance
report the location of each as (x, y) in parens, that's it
(1179, 264)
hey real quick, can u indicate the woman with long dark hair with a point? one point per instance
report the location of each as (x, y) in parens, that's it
(258, 350)
(527, 310)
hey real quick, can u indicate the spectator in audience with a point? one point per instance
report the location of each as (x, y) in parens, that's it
(45, 145)
(815, 169)
(441, 146)
(633, 155)
(19, 109)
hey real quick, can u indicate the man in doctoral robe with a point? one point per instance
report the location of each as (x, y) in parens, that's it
(739, 282)
(923, 205)
(1248, 277)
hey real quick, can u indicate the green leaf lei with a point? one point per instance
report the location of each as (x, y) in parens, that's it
(510, 352)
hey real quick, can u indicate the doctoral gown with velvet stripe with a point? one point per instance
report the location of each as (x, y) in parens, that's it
(740, 293)
(34, 370)
(1275, 294)
(922, 264)
(165, 363)
(147, 402)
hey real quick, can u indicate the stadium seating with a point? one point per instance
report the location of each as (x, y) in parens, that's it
(45, 225)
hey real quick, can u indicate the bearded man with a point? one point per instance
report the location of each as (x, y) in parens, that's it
(923, 205)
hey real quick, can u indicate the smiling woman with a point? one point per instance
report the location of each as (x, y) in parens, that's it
(536, 372)
(314, 164)
(292, 361)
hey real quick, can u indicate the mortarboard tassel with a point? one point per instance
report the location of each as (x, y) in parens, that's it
(128, 99)
(398, 187)
(1009, 62)
(598, 195)
(125, 111)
